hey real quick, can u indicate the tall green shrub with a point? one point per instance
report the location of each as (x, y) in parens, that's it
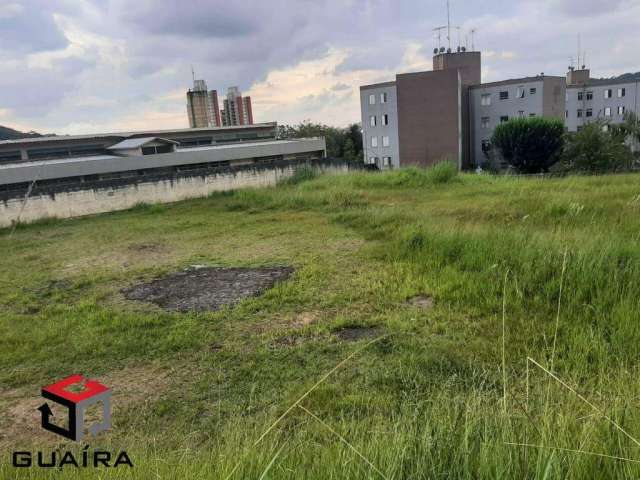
(530, 145)
(596, 149)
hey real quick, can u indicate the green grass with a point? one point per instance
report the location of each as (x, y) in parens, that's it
(427, 400)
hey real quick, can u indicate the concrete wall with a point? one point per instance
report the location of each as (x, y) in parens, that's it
(78, 202)
(390, 107)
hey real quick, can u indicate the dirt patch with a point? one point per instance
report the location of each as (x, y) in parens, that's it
(353, 334)
(147, 248)
(421, 301)
(305, 319)
(21, 418)
(207, 288)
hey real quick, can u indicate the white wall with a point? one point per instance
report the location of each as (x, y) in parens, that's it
(87, 202)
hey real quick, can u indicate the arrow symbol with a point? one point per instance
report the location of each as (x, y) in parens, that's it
(46, 412)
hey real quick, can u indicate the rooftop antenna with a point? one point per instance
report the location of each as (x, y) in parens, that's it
(438, 31)
(578, 65)
(448, 26)
(458, 30)
(193, 75)
(473, 34)
(584, 60)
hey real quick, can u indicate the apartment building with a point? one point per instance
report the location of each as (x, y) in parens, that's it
(608, 99)
(447, 113)
(202, 106)
(379, 106)
(237, 109)
(421, 118)
(496, 102)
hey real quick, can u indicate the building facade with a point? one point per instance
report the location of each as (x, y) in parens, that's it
(202, 106)
(419, 118)
(497, 102)
(237, 109)
(447, 113)
(589, 99)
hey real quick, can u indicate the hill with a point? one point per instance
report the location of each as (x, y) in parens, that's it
(7, 133)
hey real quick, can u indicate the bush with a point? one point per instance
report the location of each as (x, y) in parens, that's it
(530, 145)
(596, 149)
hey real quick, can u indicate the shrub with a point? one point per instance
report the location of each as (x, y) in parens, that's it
(596, 149)
(530, 145)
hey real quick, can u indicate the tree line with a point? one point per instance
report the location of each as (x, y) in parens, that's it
(341, 142)
(535, 145)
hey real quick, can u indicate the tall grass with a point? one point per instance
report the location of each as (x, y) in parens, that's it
(490, 382)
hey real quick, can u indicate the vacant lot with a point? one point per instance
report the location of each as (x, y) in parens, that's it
(396, 348)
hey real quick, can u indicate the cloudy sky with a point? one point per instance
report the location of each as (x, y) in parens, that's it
(75, 66)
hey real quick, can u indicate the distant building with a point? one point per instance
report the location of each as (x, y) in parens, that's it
(202, 106)
(607, 99)
(497, 102)
(237, 109)
(422, 118)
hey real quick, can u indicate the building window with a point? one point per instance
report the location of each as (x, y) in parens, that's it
(532, 114)
(504, 95)
(385, 119)
(484, 122)
(372, 120)
(372, 160)
(579, 113)
(589, 112)
(532, 91)
(520, 92)
(504, 118)
(621, 110)
(579, 128)
(383, 97)
(521, 113)
(621, 92)
(374, 141)
(485, 99)
(372, 99)
(566, 114)
(605, 128)
(385, 141)
(580, 95)
(386, 161)
(608, 93)
(607, 111)
(589, 95)
(486, 146)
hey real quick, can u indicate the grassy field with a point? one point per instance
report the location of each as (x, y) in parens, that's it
(545, 269)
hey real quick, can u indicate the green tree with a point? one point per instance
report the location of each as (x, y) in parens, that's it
(341, 142)
(596, 148)
(530, 145)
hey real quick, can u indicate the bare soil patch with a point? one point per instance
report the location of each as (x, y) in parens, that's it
(208, 288)
(353, 334)
(421, 301)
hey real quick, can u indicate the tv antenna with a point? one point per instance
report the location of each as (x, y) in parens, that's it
(193, 75)
(438, 31)
(473, 35)
(448, 26)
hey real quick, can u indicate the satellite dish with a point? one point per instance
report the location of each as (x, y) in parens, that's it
(435, 50)
(441, 49)
(464, 49)
(448, 50)
(458, 50)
